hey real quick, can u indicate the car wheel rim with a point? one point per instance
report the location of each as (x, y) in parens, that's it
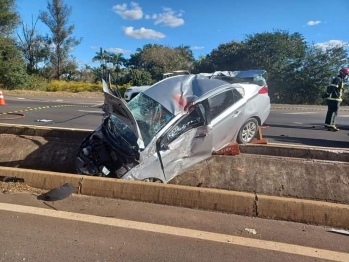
(249, 132)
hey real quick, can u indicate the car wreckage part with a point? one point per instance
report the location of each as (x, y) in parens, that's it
(97, 157)
(248, 131)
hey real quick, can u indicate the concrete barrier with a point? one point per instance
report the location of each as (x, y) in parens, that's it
(42, 148)
(270, 175)
(297, 151)
(258, 169)
(304, 211)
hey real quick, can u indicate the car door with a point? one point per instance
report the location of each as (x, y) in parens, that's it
(188, 142)
(227, 116)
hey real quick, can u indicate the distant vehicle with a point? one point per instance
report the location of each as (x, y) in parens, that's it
(132, 91)
(174, 124)
(175, 73)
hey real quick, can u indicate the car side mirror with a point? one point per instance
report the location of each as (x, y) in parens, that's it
(164, 147)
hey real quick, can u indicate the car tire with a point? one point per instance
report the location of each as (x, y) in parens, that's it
(248, 131)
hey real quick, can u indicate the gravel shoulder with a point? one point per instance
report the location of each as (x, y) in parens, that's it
(31, 93)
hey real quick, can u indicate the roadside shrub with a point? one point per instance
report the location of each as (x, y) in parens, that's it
(74, 87)
(122, 88)
(35, 82)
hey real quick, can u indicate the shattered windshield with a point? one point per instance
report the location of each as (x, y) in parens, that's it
(151, 116)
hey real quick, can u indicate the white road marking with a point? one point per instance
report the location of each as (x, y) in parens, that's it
(298, 123)
(299, 113)
(20, 98)
(182, 232)
(59, 100)
(343, 116)
(90, 111)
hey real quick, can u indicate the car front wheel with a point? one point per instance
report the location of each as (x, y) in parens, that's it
(248, 131)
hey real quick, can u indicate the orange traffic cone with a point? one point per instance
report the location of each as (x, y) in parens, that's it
(2, 99)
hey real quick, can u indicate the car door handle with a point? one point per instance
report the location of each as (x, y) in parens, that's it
(201, 135)
(236, 113)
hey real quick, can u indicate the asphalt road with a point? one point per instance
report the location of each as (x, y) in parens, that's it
(287, 124)
(97, 229)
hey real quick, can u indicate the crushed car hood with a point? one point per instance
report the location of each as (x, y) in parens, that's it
(115, 106)
(176, 93)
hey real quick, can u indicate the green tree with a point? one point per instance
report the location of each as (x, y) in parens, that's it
(12, 67)
(230, 56)
(8, 17)
(138, 77)
(158, 59)
(275, 52)
(314, 74)
(203, 64)
(33, 46)
(102, 57)
(62, 41)
(117, 60)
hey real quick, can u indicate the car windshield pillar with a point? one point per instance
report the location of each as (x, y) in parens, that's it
(150, 115)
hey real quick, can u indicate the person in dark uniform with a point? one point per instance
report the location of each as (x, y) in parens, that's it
(334, 98)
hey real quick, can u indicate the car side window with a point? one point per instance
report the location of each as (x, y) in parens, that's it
(192, 120)
(237, 95)
(220, 103)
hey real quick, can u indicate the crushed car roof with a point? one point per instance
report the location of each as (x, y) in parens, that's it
(175, 93)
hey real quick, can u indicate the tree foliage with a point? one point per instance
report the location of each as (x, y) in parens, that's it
(158, 59)
(12, 67)
(33, 46)
(298, 72)
(8, 17)
(138, 77)
(61, 40)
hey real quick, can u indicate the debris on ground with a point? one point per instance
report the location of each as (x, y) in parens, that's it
(340, 231)
(251, 231)
(16, 187)
(58, 193)
(44, 120)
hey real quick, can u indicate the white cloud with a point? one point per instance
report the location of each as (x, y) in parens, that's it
(169, 18)
(142, 33)
(117, 50)
(94, 47)
(331, 43)
(134, 13)
(197, 47)
(311, 23)
(147, 16)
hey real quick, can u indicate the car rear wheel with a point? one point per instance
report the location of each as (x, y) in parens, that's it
(248, 131)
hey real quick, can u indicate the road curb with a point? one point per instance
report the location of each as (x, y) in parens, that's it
(297, 210)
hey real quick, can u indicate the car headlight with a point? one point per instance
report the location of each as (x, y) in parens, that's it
(128, 90)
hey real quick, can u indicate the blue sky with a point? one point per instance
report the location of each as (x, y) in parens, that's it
(123, 26)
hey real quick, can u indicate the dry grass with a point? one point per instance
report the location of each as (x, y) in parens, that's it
(32, 93)
(10, 188)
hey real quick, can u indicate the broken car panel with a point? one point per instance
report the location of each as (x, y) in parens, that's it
(171, 126)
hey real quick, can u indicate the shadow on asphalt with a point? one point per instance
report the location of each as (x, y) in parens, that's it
(308, 126)
(308, 141)
(312, 126)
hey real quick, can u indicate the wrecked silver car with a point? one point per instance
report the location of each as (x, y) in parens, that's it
(171, 126)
